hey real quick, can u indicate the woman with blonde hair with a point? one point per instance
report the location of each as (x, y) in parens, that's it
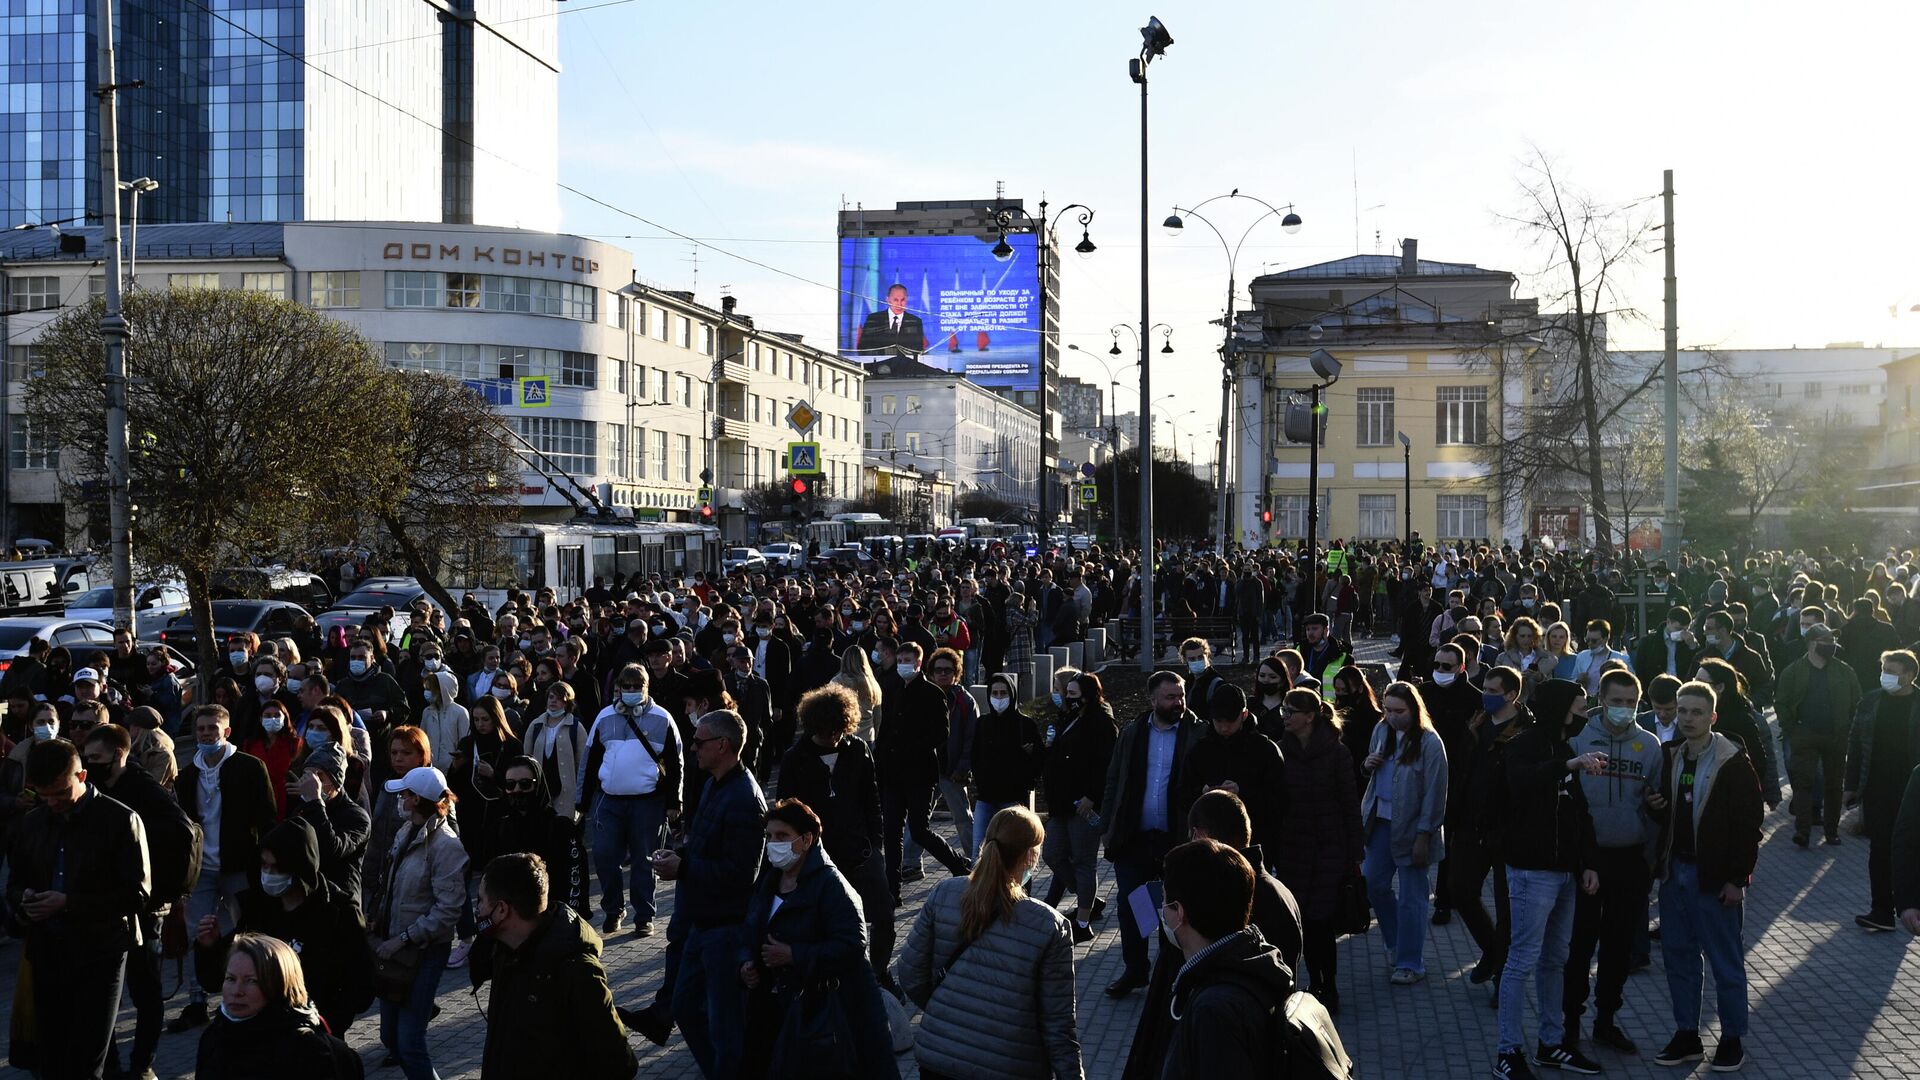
(267, 1024)
(1402, 814)
(992, 968)
(856, 674)
(1560, 644)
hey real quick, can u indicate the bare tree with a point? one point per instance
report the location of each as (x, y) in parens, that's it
(261, 429)
(1770, 455)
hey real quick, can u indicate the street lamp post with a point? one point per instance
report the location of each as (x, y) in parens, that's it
(1113, 401)
(1015, 220)
(136, 188)
(1154, 42)
(1328, 368)
(1289, 221)
(1406, 486)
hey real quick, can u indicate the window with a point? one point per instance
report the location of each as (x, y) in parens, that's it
(1377, 516)
(405, 288)
(577, 368)
(753, 355)
(334, 289)
(273, 282)
(686, 391)
(34, 293)
(617, 449)
(706, 339)
(639, 318)
(1376, 418)
(753, 407)
(1462, 517)
(1290, 515)
(686, 457)
(617, 310)
(193, 281)
(97, 286)
(660, 324)
(660, 454)
(1815, 389)
(489, 362)
(683, 335)
(569, 443)
(27, 449)
(1460, 418)
(25, 362)
(661, 384)
(640, 455)
(463, 290)
(913, 403)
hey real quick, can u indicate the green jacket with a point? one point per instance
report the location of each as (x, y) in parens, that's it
(1790, 691)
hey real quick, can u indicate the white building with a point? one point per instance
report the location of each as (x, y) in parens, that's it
(628, 416)
(942, 423)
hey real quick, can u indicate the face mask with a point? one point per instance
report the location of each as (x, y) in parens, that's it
(1526, 602)
(1026, 876)
(211, 752)
(1493, 703)
(858, 626)
(659, 629)
(503, 693)
(1269, 688)
(357, 667)
(46, 732)
(1889, 682)
(273, 723)
(846, 612)
(1620, 715)
(1400, 721)
(1196, 666)
(1169, 928)
(1676, 635)
(430, 665)
(729, 638)
(556, 713)
(429, 696)
(1713, 640)
(763, 631)
(781, 854)
(1001, 701)
(1059, 700)
(293, 684)
(526, 643)
(907, 671)
(1825, 649)
(317, 738)
(484, 927)
(274, 884)
(632, 698)
(877, 657)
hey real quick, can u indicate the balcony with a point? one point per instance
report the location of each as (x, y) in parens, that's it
(730, 370)
(732, 426)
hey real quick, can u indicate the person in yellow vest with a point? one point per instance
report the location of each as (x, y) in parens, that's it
(1321, 652)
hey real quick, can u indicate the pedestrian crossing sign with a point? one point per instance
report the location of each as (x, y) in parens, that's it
(533, 392)
(803, 458)
(1089, 494)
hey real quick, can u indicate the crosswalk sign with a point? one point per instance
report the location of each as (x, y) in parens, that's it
(1089, 494)
(533, 392)
(803, 458)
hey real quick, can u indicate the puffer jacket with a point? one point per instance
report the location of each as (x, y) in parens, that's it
(425, 886)
(1223, 1000)
(1321, 845)
(1419, 797)
(1015, 981)
(445, 720)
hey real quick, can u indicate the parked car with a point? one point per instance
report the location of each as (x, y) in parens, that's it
(309, 591)
(743, 558)
(784, 555)
(154, 606)
(1080, 542)
(373, 594)
(845, 557)
(78, 635)
(268, 618)
(40, 586)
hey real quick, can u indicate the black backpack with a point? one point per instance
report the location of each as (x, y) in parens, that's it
(174, 845)
(1308, 1042)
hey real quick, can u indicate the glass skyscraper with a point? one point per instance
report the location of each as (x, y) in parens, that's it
(401, 110)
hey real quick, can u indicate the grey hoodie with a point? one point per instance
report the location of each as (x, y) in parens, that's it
(1617, 798)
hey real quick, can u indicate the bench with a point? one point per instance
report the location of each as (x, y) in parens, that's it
(1216, 630)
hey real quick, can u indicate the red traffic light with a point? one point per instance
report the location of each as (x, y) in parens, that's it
(1266, 517)
(706, 510)
(799, 486)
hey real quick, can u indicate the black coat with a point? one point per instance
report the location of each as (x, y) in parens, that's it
(1321, 846)
(848, 800)
(282, 1042)
(550, 1008)
(913, 729)
(169, 832)
(247, 809)
(1075, 766)
(342, 828)
(1253, 763)
(1007, 755)
(1225, 1004)
(105, 867)
(1548, 826)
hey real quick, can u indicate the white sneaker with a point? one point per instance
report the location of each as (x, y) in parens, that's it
(458, 958)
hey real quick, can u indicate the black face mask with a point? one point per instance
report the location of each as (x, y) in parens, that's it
(525, 802)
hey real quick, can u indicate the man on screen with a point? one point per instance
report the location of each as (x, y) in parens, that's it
(895, 326)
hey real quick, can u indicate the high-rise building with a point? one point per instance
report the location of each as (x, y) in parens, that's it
(287, 110)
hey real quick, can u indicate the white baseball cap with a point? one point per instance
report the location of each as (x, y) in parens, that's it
(426, 782)
(86, 674)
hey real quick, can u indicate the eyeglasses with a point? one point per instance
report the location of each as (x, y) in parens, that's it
(521, 785)
(699, 741)
(1445, 667)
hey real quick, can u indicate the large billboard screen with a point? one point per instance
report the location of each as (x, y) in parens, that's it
(948, 300)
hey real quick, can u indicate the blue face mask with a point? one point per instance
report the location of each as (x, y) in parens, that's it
(357, 667)
(632, 698)
(1059, 700)
(428, 696)
(1026, 876)
(1493, 703)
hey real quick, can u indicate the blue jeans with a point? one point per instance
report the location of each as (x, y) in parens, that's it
(710, 1003)
(626, 828)
(1693, 923)
(1542, 904)
(1403, 918)
(403, 1028)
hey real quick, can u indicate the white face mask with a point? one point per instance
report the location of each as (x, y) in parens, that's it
(274, 884)
(264, 684)
(781, 854)
(503, 693)
(729, 638)
(1676, 635)
(1444, 678)
(273, 723)
(46, 732)
(1000, 701)
(295, 684)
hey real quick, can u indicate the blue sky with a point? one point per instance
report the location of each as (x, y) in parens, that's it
(1788, 127)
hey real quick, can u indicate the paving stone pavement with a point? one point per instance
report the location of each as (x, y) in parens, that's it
(1827, 999)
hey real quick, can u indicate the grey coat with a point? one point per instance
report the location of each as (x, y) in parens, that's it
(426, 887)
(1006, 1009)
(1419, 797)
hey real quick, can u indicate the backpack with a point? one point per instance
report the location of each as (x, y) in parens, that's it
(175, 844)
(1308, 1042)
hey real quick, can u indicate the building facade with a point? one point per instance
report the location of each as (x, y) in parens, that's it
(942, 424)
(627, 412)
(288, 110)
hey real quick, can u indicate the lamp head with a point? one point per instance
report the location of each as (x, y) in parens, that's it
(1003, 250)
(1173, 224)
(1156, 37)
(1324, 364)
(1167, 345)
(1115, 351)
(1085, 247)
(1290, 223)
(1404, 441)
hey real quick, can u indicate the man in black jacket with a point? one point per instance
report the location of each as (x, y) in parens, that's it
(1146, 798)
(1548, 846)
(550, 1001)
(913, 730)
(1233, 979)
(229, 795)
(341, 826)
(78, 885)
(171, 846)
(754, 698)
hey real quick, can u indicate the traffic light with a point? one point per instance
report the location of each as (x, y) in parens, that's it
(706, 511)
(802, 498)
(799, 486)
(1298, 421)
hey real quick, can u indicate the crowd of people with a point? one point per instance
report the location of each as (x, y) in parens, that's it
(329, 822)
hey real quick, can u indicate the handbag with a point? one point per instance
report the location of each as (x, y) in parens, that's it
(393, 977)
(815, 1040)
(1353, 914)
(23, 1042)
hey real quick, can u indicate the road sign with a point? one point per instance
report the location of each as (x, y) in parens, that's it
(533, 392)
(1087, 469)
(801, 417)
(803, 458)
(1089, 494)
(706, 495)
